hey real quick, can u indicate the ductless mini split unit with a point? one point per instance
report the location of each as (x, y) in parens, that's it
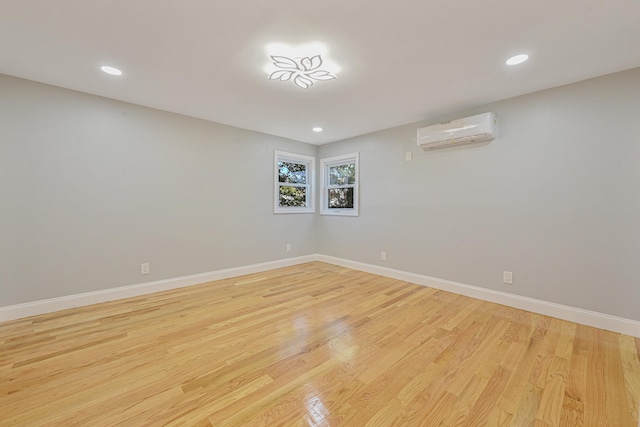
(469, 130)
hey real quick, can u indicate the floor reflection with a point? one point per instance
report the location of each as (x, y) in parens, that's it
(317, 412)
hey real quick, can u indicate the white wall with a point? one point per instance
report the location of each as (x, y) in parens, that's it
(555, 199)
(90, 188)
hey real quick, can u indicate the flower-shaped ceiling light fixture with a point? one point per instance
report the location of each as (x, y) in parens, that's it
(303, 71)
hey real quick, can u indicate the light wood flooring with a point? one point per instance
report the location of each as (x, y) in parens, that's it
(313, 345)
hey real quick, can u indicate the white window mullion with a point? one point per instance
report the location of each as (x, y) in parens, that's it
(303, 169)
(340, 168)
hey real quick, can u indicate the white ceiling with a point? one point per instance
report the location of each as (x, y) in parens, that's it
(401, 60)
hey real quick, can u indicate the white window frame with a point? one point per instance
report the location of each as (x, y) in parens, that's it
(325, 164)
(280, 156)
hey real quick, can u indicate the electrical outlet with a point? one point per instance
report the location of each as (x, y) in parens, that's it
(507, 277)
(288, 247)
(144, 268)
(407, 156)
(383, 256)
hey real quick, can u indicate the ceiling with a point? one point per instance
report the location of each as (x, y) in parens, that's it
(399, 61)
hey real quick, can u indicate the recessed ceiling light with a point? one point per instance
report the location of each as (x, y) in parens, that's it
(111, 70)
(518, 59)
(317, 129)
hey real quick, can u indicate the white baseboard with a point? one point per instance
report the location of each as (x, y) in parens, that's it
(572, 314)
(72, 301)
(578, 315)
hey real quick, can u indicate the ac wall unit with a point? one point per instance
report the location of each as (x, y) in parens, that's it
(472, 129)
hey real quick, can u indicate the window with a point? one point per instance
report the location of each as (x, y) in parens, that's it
(293, 183)
(340, 185)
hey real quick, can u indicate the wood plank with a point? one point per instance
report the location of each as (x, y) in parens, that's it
(313, 344)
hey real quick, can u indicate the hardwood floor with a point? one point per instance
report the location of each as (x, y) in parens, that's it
(313, 345)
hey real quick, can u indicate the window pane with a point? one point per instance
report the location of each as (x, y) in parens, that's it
(340, 198)
(293, 196)
(292, 173)
(342, 174)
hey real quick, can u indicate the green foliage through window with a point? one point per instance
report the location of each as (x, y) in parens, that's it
(293, 196)
(341, 198)
(342, 174)
(292, 173)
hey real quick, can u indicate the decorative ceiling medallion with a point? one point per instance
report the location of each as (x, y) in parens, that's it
(302, 72)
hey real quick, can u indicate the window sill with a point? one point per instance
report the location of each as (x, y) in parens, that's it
(340, 213)
(301, 211)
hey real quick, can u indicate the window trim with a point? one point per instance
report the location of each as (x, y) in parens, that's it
(325, 164)
(310, 185)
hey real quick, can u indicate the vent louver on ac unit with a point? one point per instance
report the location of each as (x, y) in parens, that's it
(469, 130)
